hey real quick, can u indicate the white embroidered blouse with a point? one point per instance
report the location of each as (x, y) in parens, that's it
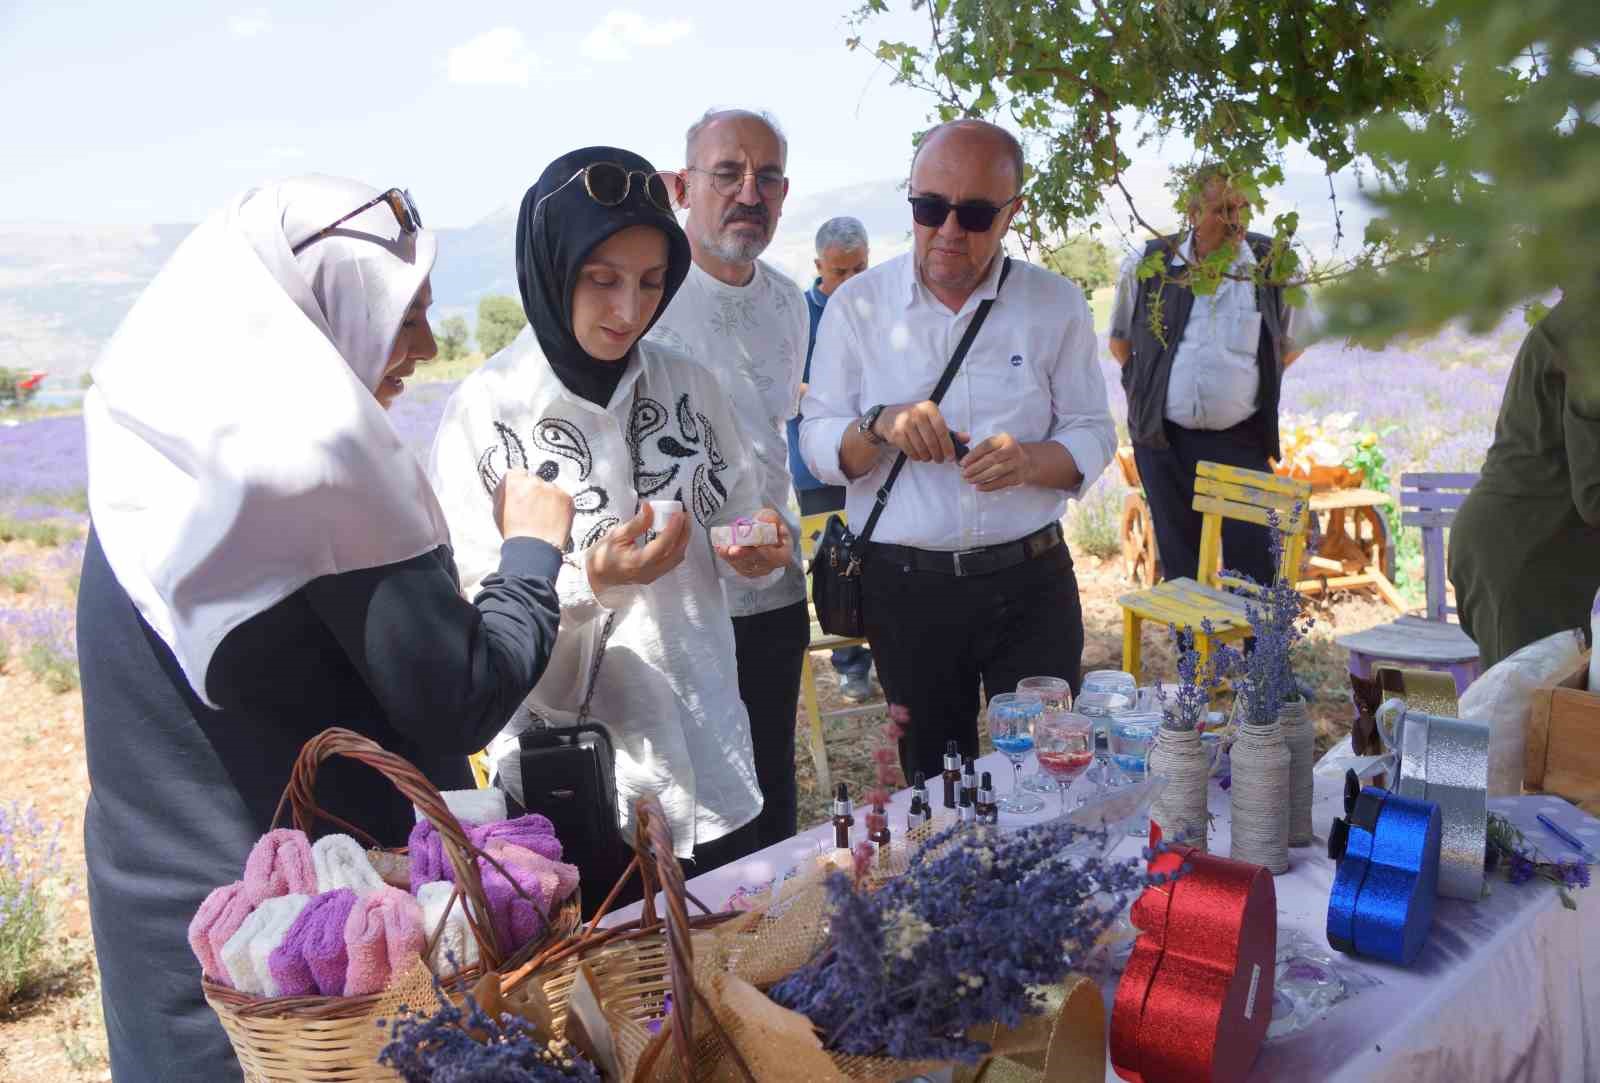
(667, 685)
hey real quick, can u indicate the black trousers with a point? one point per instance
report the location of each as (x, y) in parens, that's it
(771, 649)
(1168, 476)
(936, 638)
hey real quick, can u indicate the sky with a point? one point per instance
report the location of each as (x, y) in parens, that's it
(156, 112)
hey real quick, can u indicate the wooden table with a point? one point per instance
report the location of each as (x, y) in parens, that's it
(1353, 550)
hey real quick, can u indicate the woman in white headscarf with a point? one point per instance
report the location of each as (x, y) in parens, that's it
(266, 559)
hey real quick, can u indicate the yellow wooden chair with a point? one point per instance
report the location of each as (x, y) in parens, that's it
(479, 762)
(810, 530)
(1220, 492)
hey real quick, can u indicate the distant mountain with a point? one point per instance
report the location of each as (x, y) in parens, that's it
(64, 289)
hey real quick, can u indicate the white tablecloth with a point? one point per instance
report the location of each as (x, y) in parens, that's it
(1508, 988)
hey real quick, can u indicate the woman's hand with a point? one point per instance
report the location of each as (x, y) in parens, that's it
(527, 506)
(754, 561)
(618, 559)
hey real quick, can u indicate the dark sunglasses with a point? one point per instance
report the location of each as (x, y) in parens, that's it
(932, 211)
(608, 184)
(399, 200)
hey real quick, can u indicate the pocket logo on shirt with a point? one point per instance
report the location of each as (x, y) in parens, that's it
(1016, 360)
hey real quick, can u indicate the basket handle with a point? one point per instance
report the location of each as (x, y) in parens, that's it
(300, 796)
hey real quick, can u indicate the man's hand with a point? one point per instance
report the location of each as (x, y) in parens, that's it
(1000, 462)
(527, 506)
(1122, 349)
(919, 430)
(754, 561)
(617, 558)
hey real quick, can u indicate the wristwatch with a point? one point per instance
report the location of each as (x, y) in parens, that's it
(864, 426)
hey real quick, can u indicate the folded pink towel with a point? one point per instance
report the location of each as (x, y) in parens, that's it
(280, 864)
(312, 959)
(426, 849)
(218, 918)
(381, 935)
(556, 878)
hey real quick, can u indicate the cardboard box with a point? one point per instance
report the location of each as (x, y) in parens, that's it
(1563, 747)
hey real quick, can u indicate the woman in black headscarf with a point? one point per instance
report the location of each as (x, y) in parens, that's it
(646, 644)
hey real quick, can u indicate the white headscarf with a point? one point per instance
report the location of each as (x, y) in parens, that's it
(236, 450)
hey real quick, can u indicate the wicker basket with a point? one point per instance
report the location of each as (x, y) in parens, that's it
(636, 965)
(337, 1039)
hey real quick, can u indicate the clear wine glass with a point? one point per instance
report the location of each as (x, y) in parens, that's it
(1064, 744)
(1012, 716)
(1102, 707)
(1056, 695)
(1112, 682)
(1133, 734)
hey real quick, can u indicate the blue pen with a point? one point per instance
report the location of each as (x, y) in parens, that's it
(1567, 837)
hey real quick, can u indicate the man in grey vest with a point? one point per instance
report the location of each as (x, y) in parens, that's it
(1206, 389)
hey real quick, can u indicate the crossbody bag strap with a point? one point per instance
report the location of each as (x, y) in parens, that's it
(938, 393)
(594, 670)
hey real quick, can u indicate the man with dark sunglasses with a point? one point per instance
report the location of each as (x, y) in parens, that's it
(748, 323)
(966, 580)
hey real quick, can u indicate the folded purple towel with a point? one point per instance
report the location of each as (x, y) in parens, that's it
(313, 959)
(280, 864)
(516, 908)
(426, 849)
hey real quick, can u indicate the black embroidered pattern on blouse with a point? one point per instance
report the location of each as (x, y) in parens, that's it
(649, 417)
(561, 437)
(512, 453)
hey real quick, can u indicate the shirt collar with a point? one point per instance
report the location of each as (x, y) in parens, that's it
(987, 289)
(818, 298)
(1185, 253)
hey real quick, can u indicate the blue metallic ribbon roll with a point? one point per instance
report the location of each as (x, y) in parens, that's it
(1383, 896)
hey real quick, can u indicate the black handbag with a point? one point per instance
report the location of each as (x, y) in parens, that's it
(567, 775)
(836, 565)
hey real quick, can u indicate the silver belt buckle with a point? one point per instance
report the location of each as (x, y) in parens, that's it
(957, 557)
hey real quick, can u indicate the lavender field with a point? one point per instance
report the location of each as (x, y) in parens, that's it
(1433, 403)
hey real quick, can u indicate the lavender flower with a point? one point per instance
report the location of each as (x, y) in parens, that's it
(1510, 851)
(975, 927)
(1275, 613)
(30, 859)
(1186, 709)
(439, 1049)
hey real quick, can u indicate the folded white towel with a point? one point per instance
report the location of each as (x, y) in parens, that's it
(245, 953)
(457, 941)
(341, 861)
(473, 806)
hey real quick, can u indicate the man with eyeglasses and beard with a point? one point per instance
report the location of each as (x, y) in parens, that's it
(966, 578)
(748, 323)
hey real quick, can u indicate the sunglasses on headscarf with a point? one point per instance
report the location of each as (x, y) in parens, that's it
(399, 200)
(608, 184)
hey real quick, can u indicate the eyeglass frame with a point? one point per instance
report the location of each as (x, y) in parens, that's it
(400, 202)
(779, 179)
(957, 208)
(627, 188)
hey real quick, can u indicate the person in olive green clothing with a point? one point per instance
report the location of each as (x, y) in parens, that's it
(1525, 546)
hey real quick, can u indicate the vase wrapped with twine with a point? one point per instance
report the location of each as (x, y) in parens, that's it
(1260, 797)
(1300, 734)
(1180, 811)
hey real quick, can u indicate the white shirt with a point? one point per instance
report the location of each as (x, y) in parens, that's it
(1215, 375)
(753, 337)
(667, 687)
(1033, 372)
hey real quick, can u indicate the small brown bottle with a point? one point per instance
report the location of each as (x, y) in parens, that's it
(919, 785)
(952, 774)
(920, 813)
(988, 810)
(967, 812)
(843, 817)
(878, 832)
(969, 779)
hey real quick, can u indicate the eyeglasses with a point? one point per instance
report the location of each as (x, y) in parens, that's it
(608, 184)
(932, 212)
(399, 200)
(729, 182)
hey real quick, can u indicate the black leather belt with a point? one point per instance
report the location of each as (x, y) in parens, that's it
(985, 561)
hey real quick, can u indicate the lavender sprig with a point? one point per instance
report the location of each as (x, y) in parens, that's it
(439, 1049)
(1275, 613)
(974, 931)
(1522, 861)
(1197, 681)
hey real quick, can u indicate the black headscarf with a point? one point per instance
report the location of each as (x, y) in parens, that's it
(552, 249)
